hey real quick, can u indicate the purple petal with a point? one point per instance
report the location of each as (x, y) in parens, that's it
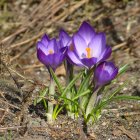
(41, 47)
(86, 32)
(54, 60)
(109, 67)
(98, 44)
(64, 38)
(101, 76)
(104, 73)
(89, 62)
(42, 57)
(106, 54)
(114, 73)
(80, 45)
(53, 46)
(73, 58)
(45, 40)
(51, 60)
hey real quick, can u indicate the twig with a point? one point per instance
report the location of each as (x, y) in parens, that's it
(6, 111)
(11, 128)
(26, 41)
(131, 135)
(11, 105)
(13, 35)
(33, 66)
(16, 83)
(119, 46)
(22, 52)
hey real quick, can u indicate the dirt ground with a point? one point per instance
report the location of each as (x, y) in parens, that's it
(22, 76)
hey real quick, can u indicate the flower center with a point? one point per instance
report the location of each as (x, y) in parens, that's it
(88, 52)
(51, 52)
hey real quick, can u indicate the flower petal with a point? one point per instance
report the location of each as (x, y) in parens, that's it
(53, 46)
(114, 73)
(97, 44)
(86, 32)
(54, 60)
(80, 45)
(42, 56)
(73, 58)
(64, 38)
(89, 62)
(41, 47)
(51, 60)
(45, 40)
(104, 73)
(109, 67)
(106, 54)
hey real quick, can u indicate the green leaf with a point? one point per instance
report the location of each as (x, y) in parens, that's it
(57, 111)
(60, 87)
(120, 97)
(74, 102)
(84, 83)
(91, 115)
(81, 94)
(117, 90)
(125, 97)
(70, 85)
(123, 69)
(106, 101)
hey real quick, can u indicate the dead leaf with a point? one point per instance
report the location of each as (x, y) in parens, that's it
(117, 132)
(92, 136)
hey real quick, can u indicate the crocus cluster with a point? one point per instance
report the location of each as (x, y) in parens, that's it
(86, 48)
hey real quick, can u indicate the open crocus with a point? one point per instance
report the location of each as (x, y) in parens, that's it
(89, 47)
(104, 73)
(49, 52)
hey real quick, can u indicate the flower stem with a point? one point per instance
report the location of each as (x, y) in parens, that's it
(69, 77)
(50, 104)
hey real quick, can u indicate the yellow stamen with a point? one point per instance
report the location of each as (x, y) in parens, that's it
(50, 51)
(88, 52)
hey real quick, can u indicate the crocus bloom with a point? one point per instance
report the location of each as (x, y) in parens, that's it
(49, 53)
(104, 73)
(88, 47)
(65, 42)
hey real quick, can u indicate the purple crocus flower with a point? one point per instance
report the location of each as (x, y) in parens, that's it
(104, 73)
(66, 43)
(88, 47)
(49, 52)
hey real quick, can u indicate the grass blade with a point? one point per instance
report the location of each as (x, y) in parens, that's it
(81, 94)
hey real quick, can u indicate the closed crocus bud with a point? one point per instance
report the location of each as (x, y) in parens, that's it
(104, 73)
(49, 52)
(89, 47)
